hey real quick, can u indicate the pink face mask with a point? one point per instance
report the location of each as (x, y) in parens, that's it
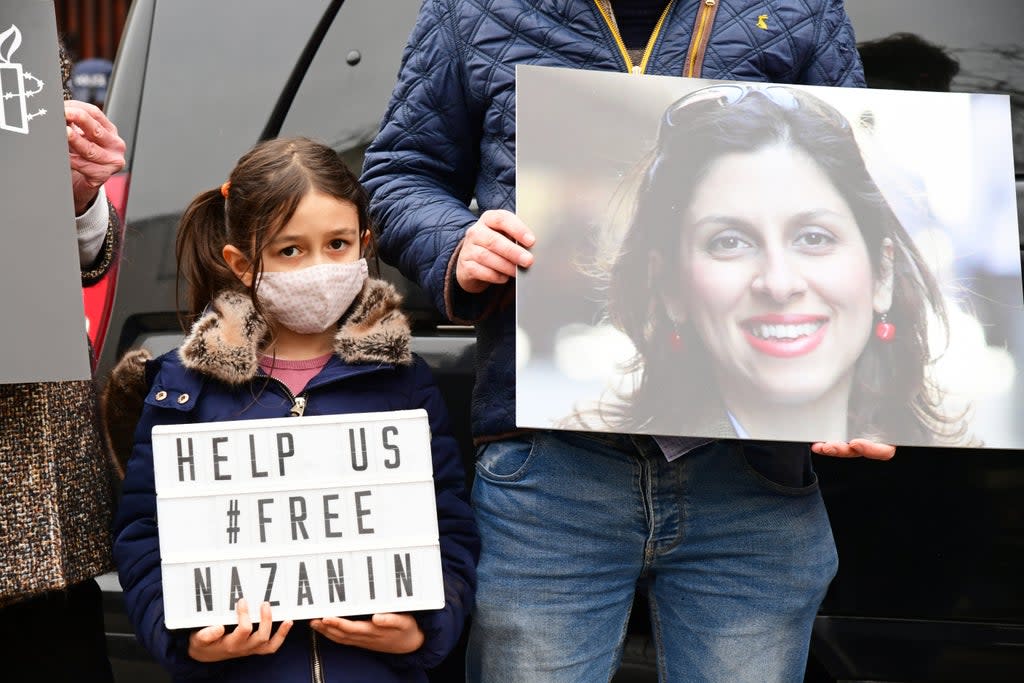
(310, 300)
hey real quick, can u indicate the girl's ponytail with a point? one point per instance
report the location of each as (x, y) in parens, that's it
(202, 234)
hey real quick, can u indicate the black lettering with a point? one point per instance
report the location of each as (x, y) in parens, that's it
(403, 575)
(391, 430)
(252, 458)
(272, 566)
(218, 458)
(305, 592)
(264, 520)
(358, 464)
(328, 516)
(297, 508)
(204, 594)
(369, 577)
(335, 581)
(362, 512)
(282, 451)
(236, 588)
(189, 459)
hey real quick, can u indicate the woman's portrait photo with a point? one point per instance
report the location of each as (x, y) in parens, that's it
(765, 261)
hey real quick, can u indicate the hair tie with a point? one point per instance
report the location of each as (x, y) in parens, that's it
(224, 189)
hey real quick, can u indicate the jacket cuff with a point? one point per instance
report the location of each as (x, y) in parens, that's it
(109, 250)
(92, 227)
(464, 308)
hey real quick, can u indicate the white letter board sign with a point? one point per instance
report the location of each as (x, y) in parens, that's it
(319, 516)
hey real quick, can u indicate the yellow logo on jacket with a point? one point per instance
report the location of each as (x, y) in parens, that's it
(762, 22)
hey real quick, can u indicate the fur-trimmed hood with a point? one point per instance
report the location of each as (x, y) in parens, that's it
(224, 344)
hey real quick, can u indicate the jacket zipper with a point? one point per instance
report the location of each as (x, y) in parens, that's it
(297, 410)
(642, 66)
(318, 668)
(700, 39)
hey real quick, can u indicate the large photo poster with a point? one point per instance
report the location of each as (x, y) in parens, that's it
(763, 261)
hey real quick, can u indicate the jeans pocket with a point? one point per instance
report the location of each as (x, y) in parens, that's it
(780, 467)
(506, 460)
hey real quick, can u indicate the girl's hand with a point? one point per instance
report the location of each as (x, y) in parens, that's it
(396, 634)
(213, 644)
(855, 448)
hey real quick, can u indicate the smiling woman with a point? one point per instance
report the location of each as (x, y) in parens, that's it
(774, 273)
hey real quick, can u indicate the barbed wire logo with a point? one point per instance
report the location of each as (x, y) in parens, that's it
(17, 85)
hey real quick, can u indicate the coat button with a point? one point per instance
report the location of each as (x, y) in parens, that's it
(160, 395)
(183, 398)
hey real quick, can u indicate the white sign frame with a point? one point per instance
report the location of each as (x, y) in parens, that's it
(311, 533)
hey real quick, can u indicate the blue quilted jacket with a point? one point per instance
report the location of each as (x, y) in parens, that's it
(449, 132)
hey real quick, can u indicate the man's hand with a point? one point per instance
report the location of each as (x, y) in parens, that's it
(490, 253)
(214, 644)
(95, 148)
(855, 448)
(396, 634)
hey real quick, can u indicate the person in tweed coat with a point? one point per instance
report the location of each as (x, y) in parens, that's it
(57, 499)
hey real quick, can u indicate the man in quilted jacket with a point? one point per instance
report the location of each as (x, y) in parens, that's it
(730, 538)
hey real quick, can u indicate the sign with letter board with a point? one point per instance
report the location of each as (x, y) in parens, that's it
(319, 516)
(41, 301)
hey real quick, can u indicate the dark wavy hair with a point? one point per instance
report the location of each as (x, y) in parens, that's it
(266, 186)
(696, 131)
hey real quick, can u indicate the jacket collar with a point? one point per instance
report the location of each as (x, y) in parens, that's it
(225, 342)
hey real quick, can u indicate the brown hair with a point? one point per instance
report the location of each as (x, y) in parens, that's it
(261, 196)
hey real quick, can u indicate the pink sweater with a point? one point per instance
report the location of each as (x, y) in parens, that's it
(294, 373)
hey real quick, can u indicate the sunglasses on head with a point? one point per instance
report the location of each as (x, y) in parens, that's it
(727, 94)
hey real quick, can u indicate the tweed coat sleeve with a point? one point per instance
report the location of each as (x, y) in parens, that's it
(108, 252)
(422, 167)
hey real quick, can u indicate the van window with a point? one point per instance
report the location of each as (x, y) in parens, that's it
(343, 95)
(342, 98)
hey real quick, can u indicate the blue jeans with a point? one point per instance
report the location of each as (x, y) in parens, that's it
(736, 564)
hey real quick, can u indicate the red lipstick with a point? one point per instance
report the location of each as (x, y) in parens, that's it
(785, 335)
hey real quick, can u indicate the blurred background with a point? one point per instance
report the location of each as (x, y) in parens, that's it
(91, 30)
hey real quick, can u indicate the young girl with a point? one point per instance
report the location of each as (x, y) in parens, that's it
(286, 321)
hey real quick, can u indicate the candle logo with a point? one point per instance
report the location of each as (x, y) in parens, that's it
(17, 85)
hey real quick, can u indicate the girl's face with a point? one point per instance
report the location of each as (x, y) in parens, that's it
(323, 229)
(776, 277)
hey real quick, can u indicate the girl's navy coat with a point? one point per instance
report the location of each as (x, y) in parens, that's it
(215, 376)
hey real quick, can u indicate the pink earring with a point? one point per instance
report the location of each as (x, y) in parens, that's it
(675, 341)
(885, 330)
